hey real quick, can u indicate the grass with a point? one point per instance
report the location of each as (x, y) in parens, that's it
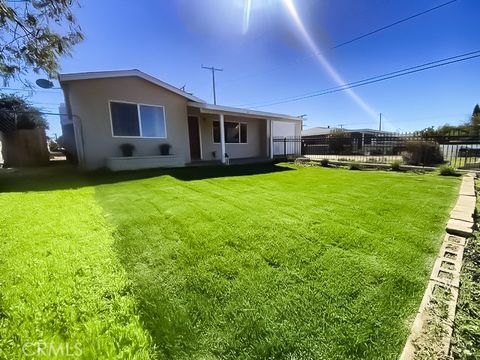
(293, 263)
(60, 280)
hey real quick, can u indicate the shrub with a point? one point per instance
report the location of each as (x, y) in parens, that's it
(447, 170)
(396, 165)
(355, 166)
(127, 149)
(422, 153)
(376, 152)
(324, 162)
(165, 149)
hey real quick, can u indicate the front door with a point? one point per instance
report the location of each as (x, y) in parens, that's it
(194, 136)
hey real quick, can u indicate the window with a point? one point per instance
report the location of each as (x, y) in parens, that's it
(124, 119)
(243, 133)
(235, 133)
(152, 119)
(216, 131)
(137, 120)
(232, 132)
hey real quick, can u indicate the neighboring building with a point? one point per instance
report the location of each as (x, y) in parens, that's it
(319, 132)
(353, 141)
(107, 109)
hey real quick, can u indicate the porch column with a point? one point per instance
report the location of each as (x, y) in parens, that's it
(222, 137)
(270, 125)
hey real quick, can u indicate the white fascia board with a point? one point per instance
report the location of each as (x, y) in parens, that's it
(217, 109)
(62, 78)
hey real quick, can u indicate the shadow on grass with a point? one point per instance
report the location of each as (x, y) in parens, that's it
(65, 176)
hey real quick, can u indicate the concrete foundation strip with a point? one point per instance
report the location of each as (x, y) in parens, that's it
(445, 277)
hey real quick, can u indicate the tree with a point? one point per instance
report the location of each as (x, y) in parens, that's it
(476, 110)
(475, 119)
(17, 113)
(338, 139)
(34, 34)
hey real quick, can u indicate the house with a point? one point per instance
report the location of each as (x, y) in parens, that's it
(104, 110)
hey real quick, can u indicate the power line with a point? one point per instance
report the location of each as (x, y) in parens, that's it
(393, 24)
(34, 112)
(53, 91)
(375, 79)
(349, 41)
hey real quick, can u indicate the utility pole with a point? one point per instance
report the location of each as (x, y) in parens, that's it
(380, 125)
(304, 118)
(213, 69)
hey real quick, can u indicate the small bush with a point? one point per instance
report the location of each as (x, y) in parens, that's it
(324, 162)
(165, 149)
(447, 170)
(376, 152)
(396, 165)
(355, 166)
(127, 149)
(422, 153)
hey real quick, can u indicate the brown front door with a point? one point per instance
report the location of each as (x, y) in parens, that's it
(194, 136)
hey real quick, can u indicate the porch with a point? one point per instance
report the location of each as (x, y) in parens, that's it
(222, 135)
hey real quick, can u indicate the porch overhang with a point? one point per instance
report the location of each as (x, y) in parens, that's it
(254, 114)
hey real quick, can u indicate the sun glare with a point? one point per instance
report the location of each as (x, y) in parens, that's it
(322, 60)
(246, 15)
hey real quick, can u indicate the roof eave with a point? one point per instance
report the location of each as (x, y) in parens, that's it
(63, 78)
(217, 109)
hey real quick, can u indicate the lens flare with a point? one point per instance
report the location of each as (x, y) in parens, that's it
(322, 60)
(246, 15)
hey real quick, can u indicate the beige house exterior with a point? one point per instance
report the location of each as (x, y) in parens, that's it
(107, 109)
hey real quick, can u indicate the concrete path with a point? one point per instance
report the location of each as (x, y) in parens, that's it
(462, 216)
(432, 328)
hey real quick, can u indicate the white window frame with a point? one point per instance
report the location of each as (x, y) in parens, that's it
(239, 132)
(139, 119)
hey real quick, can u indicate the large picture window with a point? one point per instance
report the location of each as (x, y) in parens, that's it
(137, 120)
(235, 133)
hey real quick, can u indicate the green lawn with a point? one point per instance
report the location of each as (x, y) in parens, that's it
(218, 263)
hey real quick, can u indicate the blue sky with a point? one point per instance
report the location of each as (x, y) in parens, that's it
(271, 59)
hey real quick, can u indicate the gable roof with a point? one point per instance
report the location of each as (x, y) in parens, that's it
(194, 101)
(124, 73)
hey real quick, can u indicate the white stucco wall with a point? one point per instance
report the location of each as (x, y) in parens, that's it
(89, 100)
(283, 129)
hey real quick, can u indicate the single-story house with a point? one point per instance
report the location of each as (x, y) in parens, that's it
(326, 140)
(105, 110)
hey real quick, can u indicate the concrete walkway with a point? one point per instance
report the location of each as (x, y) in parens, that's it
(432, 328)
(462, 216)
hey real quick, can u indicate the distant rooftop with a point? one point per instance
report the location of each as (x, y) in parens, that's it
(316, 131)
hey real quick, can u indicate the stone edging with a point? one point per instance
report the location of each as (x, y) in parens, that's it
(432, 328)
